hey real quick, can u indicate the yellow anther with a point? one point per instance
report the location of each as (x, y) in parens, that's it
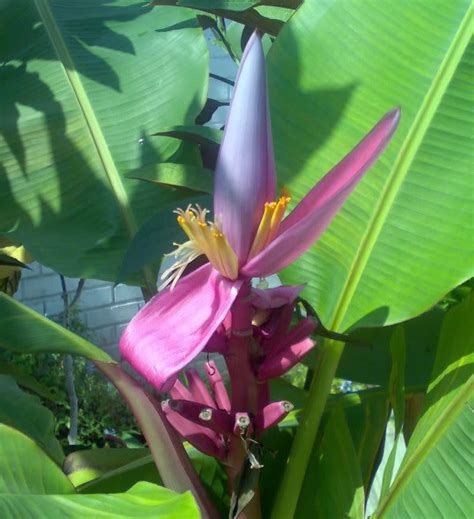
(278, 215)
(209, 240)
(227, 256)
(273, 214)
(263, 230)
(183, 224)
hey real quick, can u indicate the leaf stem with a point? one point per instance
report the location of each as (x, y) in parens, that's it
(171, 460)
(287, 497)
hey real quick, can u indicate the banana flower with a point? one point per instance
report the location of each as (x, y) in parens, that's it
(249, 237)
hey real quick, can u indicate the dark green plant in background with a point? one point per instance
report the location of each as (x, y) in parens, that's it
(103, 418)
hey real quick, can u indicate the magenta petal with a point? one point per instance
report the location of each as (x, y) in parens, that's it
(180, 392)
(198, 388)
(205, 416)
(217, 385)
(313, 214)
(272, 414)
(218, 342)
(245, 171)
(275, 297)
(299, 332)
(175, 325)
(275, 365)
(276, 328)
(200, 437)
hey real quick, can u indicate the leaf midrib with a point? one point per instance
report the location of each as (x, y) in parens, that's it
(403, 161)
(429, 442)
(65, 59)
(115, 180)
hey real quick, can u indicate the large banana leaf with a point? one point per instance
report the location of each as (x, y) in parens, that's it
(370, 363)
(405, 237)
(435, 478)
(31, 485)
(88, 466)
(23, 330)
(82, 84)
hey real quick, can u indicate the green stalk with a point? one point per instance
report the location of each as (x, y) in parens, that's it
(287, 497)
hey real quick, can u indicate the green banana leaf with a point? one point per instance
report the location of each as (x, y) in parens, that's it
(82, 86)
(27, 381)
(84, 467)
(26, 413)
(397, 402)
(23, 330)
(435, 478)
(194, 179)
(32, 485)
(404, 238)
(116, 470)
(203, 135)
(370, 362)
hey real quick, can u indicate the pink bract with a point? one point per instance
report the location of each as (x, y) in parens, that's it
(176, 325)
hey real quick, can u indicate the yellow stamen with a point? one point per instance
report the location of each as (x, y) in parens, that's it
(184, 254)
(186, 229)
(263, 230)
(209, 240)
(227, 256)
(272, 216)
(278, 214)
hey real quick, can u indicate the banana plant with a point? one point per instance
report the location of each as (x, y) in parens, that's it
(375, 306)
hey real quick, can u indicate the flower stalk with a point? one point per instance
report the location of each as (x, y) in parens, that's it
(246, 393)
(215, 308)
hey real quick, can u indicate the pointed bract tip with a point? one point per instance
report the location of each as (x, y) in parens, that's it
(394, 115)
(255, 39)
